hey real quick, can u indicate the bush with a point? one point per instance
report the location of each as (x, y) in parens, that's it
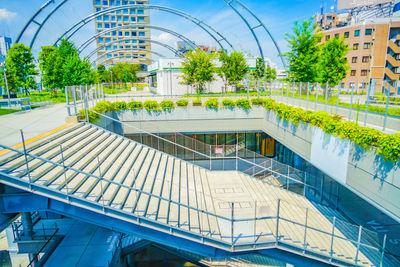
(151, 105)
(182, 103)
(243, 103)
(103, 107)
(212, 103)
(119, 105)
(167, 105)
(257, 101)
(135, 105)
(197, 102)
(229, 103)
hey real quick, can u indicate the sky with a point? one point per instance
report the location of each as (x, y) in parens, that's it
(277, 15)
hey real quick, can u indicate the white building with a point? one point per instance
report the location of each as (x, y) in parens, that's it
(165, 77)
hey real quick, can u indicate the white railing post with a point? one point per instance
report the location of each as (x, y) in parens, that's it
(255, 221)
(210, 158)
(26, 159)
(237, 155)
(86, 101)
(383, 250)
(65, 172)
(305, 232)
(277, 220)
(358, 244)
(386, 108)
(233, 222)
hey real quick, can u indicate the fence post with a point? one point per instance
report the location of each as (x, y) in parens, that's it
(255, 221)
(326, 96)
(358, 244)
(26, 158)
(277, 220)
(67, 100)
(383, 250)
(366, 106)
(210, 158)
(316, 98)
(333, 235)
(337, 101)
(101, 182)
(300, 93)
(351, 102)
(237, 155)
(387, 108)
(86, 100)
(73, 88)
(65, 173)
(305, 232)
(308, 94)
(232, 222)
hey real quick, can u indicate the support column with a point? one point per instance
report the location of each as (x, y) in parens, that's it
(27, 225)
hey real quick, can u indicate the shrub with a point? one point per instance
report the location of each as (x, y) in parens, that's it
(197, 102)
(135, 105)
(93, 117)
(167, 105)
(182, 103)
(389, 146)
(257, 101)
(212, 103)
(151, 105)
(119, 105)
(229, 103)
(243, 103)
(269, 103)
(103, 107)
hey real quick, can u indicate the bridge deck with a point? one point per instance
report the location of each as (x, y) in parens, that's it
(145, 182)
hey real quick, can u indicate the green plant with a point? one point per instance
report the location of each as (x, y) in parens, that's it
(182, 103)
(119, 105)
(257, 101)
(103, 107)
(135, 105)
(212, 103)
(167, 105)
(197, 102)
(151, 105)
(229, 103)
(93, 117)
(243, 103)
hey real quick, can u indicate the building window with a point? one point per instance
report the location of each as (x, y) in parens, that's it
(353, 73)
(99, 25)
(365, 59)
(356, 33)
(105, 3)
(142, 34)
(126, 19)
(327, 37)
(368, 31)
(133, 11)
(364, 72)
(140, 12)
(133, 19)
(354, 60)
(140, 19)
(346, 35)
(367, 45)
(355, 46)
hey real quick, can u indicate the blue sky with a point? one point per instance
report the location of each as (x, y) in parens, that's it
(277, 15)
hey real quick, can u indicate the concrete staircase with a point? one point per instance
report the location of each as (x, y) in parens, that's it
(112, 171)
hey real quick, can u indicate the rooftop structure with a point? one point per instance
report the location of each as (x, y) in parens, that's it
(134, 46)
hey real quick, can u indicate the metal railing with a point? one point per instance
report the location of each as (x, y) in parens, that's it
(272, 222)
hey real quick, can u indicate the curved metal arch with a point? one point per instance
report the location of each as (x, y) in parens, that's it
(94, 37)
(128, 39)
(261, 24)
(182, 14)
(111, 58)
(126, 49)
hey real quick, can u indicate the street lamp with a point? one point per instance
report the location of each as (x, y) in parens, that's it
(5, 78)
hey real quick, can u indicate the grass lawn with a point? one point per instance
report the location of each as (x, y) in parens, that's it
(44, 96)
(7, 111)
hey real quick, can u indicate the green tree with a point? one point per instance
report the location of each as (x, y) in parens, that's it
(125, 72)
(233, 69)
(198, 69)
(102, 74)
(51, 66)
(332, 64)
(20, 66)
(304, 51)
(270, 74)
(77, 71)
(258, 73)
(11, 81)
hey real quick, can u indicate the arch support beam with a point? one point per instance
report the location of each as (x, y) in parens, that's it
(122, 49)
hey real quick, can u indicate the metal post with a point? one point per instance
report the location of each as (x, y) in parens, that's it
(305, 184)
(277, 220)
(333, 235)
(305, 231)
(287, 92)
(383, 250)
(351, 102)
(316, 98)
(232, 222)
(67, 100)
(65, 173)
(308, 94)
(366, 106)
(300, 93)
(101, 182)
(210, 158)
(387, 108)
(26, 157)
(255, 221)
(86, 100)
(237, 155)
(337, 100)
(326, 96)
(358, 244)
(74, 99)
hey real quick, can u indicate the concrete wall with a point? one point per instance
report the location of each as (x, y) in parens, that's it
(363, 172)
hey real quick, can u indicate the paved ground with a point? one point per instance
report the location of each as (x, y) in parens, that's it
(33, 123)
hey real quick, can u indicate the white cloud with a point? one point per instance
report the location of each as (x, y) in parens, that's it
(6, 15)
(163, 37)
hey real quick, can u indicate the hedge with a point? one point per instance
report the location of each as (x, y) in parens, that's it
(387, 145)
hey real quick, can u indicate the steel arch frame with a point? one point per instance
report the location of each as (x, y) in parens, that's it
(94, 37)
(123, 40)
(182, 14)
(125, 49)
(261, 24)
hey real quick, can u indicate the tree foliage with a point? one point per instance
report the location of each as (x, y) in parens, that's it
(333, 65)
(303, 57)
(51, 67)
(77, 71)
(270, 74)
(102, 74)
(233, 69)
(125, 72)
(198, 69)
(20, 66)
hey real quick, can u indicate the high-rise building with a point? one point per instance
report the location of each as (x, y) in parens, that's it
(125, 43)
(5, 45)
